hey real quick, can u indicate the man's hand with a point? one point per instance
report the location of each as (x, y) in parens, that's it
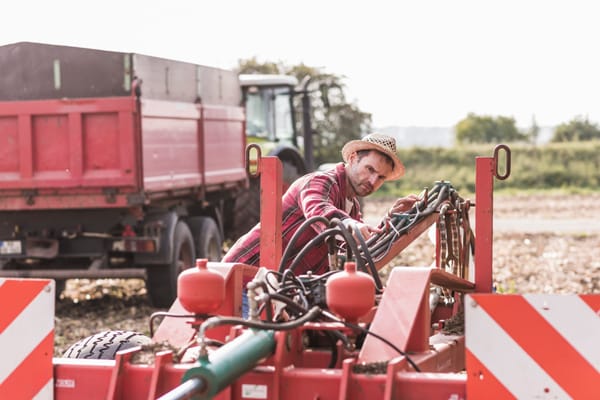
(365, 230)
(404, 204)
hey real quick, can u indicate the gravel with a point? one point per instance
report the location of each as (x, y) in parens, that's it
(533, 253)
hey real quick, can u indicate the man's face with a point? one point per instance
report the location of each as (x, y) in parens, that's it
(368, 173)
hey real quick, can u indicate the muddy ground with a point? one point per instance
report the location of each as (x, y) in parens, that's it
(542, 244)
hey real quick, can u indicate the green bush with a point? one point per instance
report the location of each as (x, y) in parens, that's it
(572, 166)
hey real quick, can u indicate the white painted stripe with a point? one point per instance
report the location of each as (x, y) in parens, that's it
(27, 331)
(505, 359)
(573, 319)
(47, 392)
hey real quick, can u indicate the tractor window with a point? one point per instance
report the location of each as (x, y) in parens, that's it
(269, 114)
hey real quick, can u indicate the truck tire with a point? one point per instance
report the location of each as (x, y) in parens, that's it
(59, 287)
(209, 243)
(162, 279)
(105, 345)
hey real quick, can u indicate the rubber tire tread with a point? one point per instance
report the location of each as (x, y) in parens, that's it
(161, 282)
(105, 345)
(208, 232)
(246, 211)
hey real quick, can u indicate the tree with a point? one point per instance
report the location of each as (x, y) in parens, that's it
(578, 129)
(486, 129)
(334, 120)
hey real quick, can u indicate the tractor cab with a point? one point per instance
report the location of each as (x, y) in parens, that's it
(271, 120)
(269, 108)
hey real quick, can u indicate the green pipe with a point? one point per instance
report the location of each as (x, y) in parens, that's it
(222, 367)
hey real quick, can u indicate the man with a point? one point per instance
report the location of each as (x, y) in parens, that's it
(368, 163)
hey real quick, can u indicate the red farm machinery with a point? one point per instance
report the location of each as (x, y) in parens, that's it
(428, 332)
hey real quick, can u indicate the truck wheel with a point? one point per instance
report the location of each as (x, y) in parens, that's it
(59, 287)
(162, 279)
(209, 244)
(105, 345)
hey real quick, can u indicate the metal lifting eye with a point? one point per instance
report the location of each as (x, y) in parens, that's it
(253, 163)
(496, 158)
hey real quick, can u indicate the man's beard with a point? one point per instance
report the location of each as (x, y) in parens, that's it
(362, 190)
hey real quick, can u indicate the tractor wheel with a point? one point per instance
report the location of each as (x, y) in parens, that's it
(162, 279)
(209, 244)
(289, 174)
(247, 204)
(105, 345)
(246, 210)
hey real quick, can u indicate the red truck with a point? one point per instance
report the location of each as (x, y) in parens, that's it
(115, 164)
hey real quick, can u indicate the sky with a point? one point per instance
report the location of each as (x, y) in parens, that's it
(408, 63)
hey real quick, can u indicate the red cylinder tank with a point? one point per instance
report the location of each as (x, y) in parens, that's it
(350, 293)
(200, 290)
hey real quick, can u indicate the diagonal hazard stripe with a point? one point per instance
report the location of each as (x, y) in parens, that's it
(543, 343)
(32, 375)
(481, 382)
(504, 359)
(26, 331)
(593, 301)
(47, 392)
(15, 296)
(568, 314)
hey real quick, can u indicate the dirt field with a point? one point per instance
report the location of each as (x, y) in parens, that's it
(542, 244)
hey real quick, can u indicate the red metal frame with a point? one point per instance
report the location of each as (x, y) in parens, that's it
(270, 212)
(403, 316)
(484, 200)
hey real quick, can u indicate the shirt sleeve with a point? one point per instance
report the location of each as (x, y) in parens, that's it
(320, 196)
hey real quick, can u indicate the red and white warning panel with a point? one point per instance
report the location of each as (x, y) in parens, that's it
(532, 346)
(26, 338)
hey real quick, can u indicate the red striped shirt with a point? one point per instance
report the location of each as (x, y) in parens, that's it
(320, 193)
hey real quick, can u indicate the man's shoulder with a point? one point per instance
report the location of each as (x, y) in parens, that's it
(331, 174)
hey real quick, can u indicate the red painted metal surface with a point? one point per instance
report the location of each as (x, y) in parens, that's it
(97, 152)
(200, 290)
(404, 310)
(270, 171)
(484, 200)
(62, 144)
(178, 331)
(187, 145)
(359, 283)
(282, 376)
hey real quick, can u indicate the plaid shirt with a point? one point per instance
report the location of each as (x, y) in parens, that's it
(316, 194)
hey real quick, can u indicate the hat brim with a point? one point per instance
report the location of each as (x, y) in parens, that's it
(358, 145)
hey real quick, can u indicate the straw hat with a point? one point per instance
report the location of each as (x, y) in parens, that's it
(381, 143)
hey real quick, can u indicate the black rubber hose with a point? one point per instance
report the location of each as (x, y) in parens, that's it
(212, 322)
(305, 225)
(370, 263)
(350, 242)
(308, 246)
